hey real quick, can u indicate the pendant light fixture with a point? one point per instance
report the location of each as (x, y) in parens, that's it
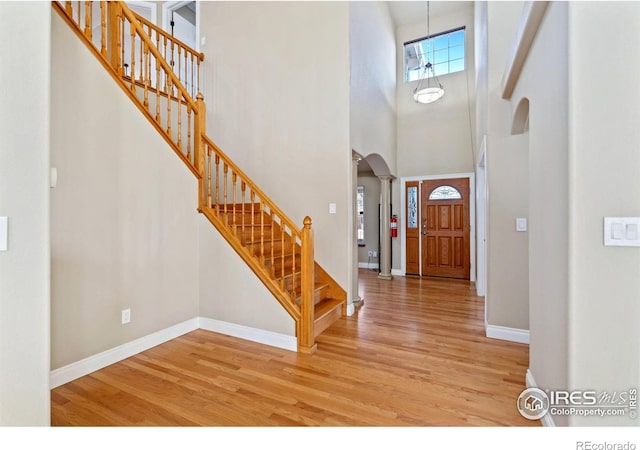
(429, 88)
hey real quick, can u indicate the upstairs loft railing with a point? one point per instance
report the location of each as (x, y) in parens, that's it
(162, 76)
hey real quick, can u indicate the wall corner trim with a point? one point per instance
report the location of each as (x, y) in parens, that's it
(507, 334)
(530, 20)
(547, 420)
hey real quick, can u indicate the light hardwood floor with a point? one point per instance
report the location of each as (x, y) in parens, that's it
(414, 354)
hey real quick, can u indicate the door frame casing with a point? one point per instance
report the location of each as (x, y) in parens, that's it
(172, 6)
(472, 219)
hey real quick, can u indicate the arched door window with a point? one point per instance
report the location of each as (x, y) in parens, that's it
(445, 193)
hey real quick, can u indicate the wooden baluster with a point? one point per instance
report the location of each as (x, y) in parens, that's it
(68, 8)
(225, 169)
(103, 30)
(233, 190)
(282, 253)
(261, 232)
(189, 131)
(147, 77)
(306, 339)
(79, 14)
(217, 184)
(180, 64)
(243, 188)
(193, 94)
(209, 177)
(179, 120)
(172, 62)
(121, 42)
(166, 88)
(198, 90)
(88, 18)
(252, 198)
(293, 264)
(169, 92)
(273, 226)
(141, 54)
(132, 32)
(158, 82)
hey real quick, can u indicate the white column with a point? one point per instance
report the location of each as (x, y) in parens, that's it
(385, 234)
(355, 296)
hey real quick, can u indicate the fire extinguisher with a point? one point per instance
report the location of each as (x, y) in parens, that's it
(394, 226)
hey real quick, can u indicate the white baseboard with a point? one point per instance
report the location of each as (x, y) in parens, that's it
(351, 309)
(547, 420)
(85, 366)
(283, 341)
(507, 334)
(364, 265)
(396, 272)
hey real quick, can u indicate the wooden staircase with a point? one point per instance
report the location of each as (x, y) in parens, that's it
(161, 75)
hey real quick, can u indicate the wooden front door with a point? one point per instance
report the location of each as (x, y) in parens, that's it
(445, 228)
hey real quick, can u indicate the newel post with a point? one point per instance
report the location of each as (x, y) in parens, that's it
(306, 337)
(114, 43)
(199, 128)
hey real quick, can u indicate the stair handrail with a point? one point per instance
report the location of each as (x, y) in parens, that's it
(154, 50)
(162, 32)
(199, 56)
(270, 203)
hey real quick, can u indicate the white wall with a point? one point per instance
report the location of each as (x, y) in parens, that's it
(604, 168)
(124, 226)
(278, 104)
(24, 198)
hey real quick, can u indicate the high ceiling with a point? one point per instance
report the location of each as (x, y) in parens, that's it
(404, 12)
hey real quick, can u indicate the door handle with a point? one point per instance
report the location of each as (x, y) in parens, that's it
(424, 233)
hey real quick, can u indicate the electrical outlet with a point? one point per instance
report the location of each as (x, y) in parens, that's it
(370, 253)
(126, 316)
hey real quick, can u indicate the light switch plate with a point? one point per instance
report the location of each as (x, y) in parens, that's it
(4, 233)
(622, 231)
(332, 208)
(521, 224)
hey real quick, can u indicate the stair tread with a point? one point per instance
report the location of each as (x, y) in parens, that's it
(325, 306)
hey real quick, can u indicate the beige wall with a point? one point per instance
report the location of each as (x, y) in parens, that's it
(278, 105)
(124, 226)
(24, 198)
(373, 81)
(507, 169)
(547, 91)
(604, 168)
(436, 138)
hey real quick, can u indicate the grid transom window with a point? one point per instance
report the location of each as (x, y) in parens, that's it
(445, 51)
